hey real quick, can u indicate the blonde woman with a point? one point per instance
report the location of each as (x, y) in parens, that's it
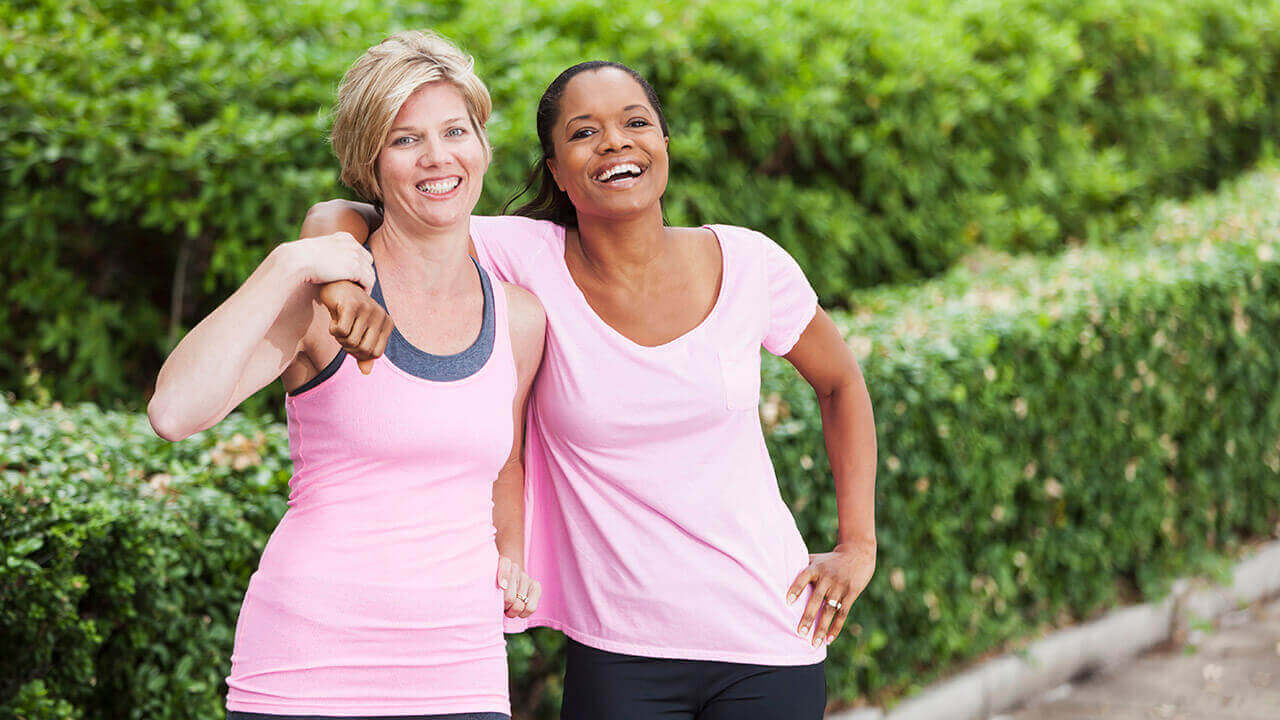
(381, 592)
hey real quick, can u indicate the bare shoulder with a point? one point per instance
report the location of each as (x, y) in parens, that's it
(527, 318)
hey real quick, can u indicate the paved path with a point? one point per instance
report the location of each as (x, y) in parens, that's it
(1230, 673)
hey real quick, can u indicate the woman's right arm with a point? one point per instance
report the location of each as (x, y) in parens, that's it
(357, 218)
(252, 337)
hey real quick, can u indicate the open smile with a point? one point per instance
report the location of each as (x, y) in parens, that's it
(619, 175)
(439, 188)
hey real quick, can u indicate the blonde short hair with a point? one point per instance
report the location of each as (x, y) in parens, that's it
(379, 82)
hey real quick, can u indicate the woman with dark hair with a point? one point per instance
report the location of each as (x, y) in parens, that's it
(653, 515)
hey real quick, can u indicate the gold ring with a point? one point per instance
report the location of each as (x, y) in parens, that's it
(522, 598)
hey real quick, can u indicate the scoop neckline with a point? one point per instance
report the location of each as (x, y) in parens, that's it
(402, 354)
(562, 237)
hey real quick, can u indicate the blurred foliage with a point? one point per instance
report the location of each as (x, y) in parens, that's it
(154, 149)
(1057, 436)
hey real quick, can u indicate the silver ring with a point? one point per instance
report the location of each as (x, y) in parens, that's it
(834, 604)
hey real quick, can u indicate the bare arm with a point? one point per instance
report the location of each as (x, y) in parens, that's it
(252, 337)
(848, 428)
(357, 218)
(528, 329)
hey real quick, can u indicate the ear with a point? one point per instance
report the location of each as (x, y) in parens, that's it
(551, 165)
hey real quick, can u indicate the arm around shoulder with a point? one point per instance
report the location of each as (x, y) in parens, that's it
(528, 323)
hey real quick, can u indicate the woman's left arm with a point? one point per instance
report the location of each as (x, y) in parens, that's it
(849, 430)
(528, 324)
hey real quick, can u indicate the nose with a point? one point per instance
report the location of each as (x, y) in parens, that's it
(432, 152)
(612, 140)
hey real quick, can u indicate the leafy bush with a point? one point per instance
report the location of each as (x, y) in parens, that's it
(150, 152)
(1057, 436)
(125, 559)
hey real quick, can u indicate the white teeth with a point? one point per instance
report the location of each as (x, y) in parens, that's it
(616, 169)
(439, 187)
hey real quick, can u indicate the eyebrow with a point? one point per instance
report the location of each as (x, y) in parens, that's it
(399, 128)
(628, 108)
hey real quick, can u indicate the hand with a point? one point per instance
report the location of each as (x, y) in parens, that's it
(328, 258)
(357, 322)
(837, 577)
(522, 592)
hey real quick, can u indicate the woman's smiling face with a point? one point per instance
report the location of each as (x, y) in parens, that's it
(433, 162)
(610, 151)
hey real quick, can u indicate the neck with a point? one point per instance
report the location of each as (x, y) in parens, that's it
(435, 258)
(622, 248)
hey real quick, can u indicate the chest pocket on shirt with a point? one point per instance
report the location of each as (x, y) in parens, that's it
(740, 375)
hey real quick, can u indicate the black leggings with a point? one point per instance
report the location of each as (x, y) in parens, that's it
(601, 685)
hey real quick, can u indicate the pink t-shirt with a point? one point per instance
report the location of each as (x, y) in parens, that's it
(653, 515)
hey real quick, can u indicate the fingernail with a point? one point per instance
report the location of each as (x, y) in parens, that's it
(831, 639)
(804, 630)
(791, 598)
(502, 583)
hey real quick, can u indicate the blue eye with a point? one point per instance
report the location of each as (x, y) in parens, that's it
(398, 141)
(455, 132)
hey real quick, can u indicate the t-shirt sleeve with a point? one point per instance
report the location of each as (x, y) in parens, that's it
(510, 246)
(792, 301)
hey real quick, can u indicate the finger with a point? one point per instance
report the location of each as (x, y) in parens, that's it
(519, 598)
(513, 573)
(504, 567)
(811, 608)
(535, 597)
(366, 365)
(366, 277)
(510, 588)
(838, 623)
(797, 587)
(384, 336)
(825, 616)
(372, 336)
(340, 325)
(364, 267)
(525, 584)
(358, 328)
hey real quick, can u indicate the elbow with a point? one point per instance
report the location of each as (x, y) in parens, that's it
(325, 207)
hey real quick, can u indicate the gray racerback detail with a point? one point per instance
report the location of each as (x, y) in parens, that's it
(443, 368)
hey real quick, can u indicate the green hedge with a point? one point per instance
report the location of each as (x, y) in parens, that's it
(146, 141)
(1057, 436)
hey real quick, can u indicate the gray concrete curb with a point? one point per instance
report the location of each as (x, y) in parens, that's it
(1008, 681)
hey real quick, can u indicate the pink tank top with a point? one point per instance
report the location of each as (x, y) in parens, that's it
(376, 594)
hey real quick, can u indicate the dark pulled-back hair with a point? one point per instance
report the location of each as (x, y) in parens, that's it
(550, 202)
